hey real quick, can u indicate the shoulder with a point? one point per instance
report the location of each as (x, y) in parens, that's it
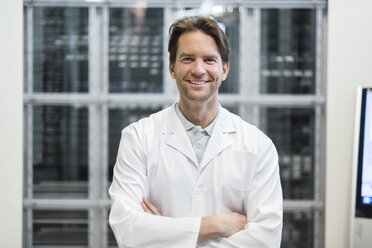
(144, 133)
(149, 121)
(252, 138)
(243, 127)
(149, 125)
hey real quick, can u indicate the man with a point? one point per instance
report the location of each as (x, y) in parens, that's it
(194, 174)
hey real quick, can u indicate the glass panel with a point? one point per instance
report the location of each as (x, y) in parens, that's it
(111, 237)
(233, 109)
(288, 51)
(26, 149)
(25, 30)
(112, 240)
(298, 230)
(60, 152)
(292, 131)
(52, 227)
(60, 43)
(228, 19)
(118, 119)
(136, 50)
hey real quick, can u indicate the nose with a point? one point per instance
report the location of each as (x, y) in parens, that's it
(198, 68)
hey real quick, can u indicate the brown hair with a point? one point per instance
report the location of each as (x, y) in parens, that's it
(205, 24)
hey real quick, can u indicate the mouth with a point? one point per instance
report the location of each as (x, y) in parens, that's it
(197, 82)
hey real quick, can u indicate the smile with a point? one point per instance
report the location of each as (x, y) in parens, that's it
(198, 82)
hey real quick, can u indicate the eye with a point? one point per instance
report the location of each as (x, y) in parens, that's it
(210, 60)
(187, 59)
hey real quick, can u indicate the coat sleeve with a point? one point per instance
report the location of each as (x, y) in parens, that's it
(263, 207)
(132, 226)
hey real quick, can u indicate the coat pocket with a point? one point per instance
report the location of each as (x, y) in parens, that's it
(240, 170)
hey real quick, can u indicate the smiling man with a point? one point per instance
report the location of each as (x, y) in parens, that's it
(194, 174)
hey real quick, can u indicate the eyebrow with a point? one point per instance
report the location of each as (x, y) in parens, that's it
(192, 55)
(186, 55)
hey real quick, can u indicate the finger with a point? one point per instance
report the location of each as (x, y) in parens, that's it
(145, 208)
(151, 206)
(153, 209)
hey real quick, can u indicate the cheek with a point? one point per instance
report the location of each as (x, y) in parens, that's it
(216, 73)
(181, 71)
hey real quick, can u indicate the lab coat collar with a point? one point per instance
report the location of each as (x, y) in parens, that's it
(176, 136)
(221, 137)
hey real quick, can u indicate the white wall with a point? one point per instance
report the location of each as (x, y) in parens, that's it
(11, 87)
(349, 65)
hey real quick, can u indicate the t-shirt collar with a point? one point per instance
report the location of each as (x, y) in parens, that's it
(189, 126)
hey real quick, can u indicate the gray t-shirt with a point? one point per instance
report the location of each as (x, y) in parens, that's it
(198, 137)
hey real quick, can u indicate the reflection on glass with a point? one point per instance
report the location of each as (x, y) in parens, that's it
(118, 119)
(136, 50)
(287, 51)
(60, 228)
(292, 131)
(298, 230)
(60, 151)
(60, 49)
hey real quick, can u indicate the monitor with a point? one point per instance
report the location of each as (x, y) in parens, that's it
(361, 202)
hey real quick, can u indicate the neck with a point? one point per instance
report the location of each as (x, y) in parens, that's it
(201, 114)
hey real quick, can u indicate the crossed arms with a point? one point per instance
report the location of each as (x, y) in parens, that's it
(222, 225)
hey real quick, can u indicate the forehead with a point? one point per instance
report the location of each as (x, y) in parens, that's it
(197, 43)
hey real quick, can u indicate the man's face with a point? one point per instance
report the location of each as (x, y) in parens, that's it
(198, 68)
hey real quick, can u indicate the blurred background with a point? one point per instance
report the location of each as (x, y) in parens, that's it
(93, 67)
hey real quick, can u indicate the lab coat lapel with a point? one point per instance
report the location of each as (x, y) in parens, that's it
(175, 135)
(221, 137)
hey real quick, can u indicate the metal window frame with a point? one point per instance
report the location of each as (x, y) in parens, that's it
(94, 123)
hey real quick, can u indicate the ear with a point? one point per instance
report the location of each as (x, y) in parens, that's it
(225, 70)
(171, 70)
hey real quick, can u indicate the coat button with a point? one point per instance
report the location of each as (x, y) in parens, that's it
(198, 189)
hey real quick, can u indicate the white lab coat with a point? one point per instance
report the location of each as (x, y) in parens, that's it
(239, 172)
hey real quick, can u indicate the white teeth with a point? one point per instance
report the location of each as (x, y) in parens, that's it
(198, 82)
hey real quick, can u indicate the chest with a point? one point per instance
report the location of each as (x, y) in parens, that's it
(220, 185)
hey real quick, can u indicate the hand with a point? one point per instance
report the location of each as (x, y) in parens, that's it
(149, 207)
(231, 223)
(222, 225)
